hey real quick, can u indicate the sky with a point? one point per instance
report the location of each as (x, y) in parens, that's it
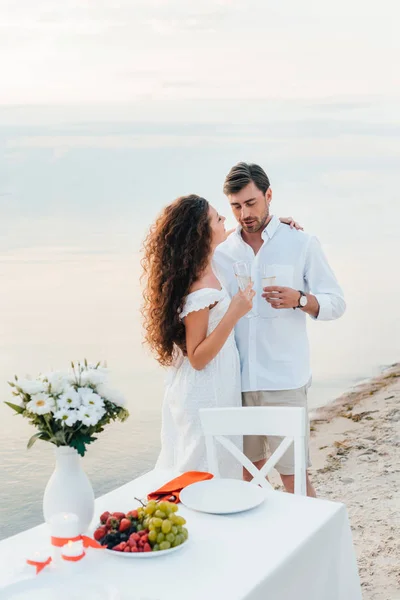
(99, 52)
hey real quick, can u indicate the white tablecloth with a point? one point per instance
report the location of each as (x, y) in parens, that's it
(289, 548)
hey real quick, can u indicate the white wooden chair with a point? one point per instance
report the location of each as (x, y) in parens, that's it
(286, 422)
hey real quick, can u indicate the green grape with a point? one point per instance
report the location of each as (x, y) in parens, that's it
(152, 527)
(170, 537)
(179, 528)
(152, 536)
(157, 522)
(173, 508)
(173, 517)
(160, 538)
(166, 526)
(150, 507)
(178, 540)
(165, 546)
(160, 514)
(174, 529)
(139, 527)
(164, 506)
(179, 520)
(156, 548)
(185, 533)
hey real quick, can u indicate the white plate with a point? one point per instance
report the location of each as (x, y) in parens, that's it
(145, 554)
(222, 496)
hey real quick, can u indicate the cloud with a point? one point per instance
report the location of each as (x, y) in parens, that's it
(179, 84)
(205, 22)
(85, 52)
(45, 14)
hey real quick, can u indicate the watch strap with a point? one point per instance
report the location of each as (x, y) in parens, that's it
(300, 297)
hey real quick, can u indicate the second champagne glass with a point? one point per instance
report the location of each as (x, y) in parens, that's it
(268, 279)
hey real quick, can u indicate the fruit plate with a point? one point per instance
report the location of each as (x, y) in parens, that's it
(145, 554)
(222, 496)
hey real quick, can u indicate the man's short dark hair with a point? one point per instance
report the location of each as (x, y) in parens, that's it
(242, 174)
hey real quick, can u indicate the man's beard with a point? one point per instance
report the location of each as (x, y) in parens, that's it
(257, 224)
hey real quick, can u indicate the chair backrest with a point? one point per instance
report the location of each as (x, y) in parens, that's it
(286, 422)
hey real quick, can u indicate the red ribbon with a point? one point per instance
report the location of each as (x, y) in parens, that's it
(73, 558)
(60, 542)
(87, 541)
(38, 564)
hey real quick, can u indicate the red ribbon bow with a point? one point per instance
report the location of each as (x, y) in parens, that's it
(60, 542)
(38, 564)
(87, 542)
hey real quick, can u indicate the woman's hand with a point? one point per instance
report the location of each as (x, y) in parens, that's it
(203, 348)
(291, 222)
(242, 302)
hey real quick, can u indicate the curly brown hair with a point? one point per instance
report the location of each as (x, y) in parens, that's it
(176, 251)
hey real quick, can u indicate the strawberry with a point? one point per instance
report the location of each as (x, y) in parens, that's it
(99, 533)
(132, 540)
(118, 515)
(118, 548)
(123, 545)
(127, 549)
(112, 522)
(147, 548)
(124, 525)
(132, 514)
(134, 549)
(135, 537)
(104, 517)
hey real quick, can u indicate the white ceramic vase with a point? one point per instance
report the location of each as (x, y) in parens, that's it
(69, 489)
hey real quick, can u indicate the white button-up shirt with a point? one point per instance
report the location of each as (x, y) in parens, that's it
(273, 343)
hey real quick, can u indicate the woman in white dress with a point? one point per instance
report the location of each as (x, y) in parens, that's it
(189, 325)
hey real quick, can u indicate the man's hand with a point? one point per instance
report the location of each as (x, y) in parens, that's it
(285, 297)
(281, 297)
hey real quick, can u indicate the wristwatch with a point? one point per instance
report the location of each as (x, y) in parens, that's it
(302, 300)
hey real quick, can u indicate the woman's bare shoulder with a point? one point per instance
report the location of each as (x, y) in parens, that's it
(208, 282)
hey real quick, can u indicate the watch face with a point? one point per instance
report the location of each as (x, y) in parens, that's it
(303, 300)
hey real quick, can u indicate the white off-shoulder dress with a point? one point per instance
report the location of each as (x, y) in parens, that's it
(188, 390)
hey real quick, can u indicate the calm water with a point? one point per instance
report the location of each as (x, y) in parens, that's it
(76, 197)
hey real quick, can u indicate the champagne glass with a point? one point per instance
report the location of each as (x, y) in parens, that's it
(242, 271)
(243, 274)
(268, 278)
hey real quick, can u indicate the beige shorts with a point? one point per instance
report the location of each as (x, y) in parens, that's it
(256, 446)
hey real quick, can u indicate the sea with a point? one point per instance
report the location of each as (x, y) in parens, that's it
(79, 188)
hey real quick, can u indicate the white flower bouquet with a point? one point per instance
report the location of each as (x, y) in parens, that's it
(70, 407)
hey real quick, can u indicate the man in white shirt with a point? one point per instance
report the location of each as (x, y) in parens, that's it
(272, 340)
